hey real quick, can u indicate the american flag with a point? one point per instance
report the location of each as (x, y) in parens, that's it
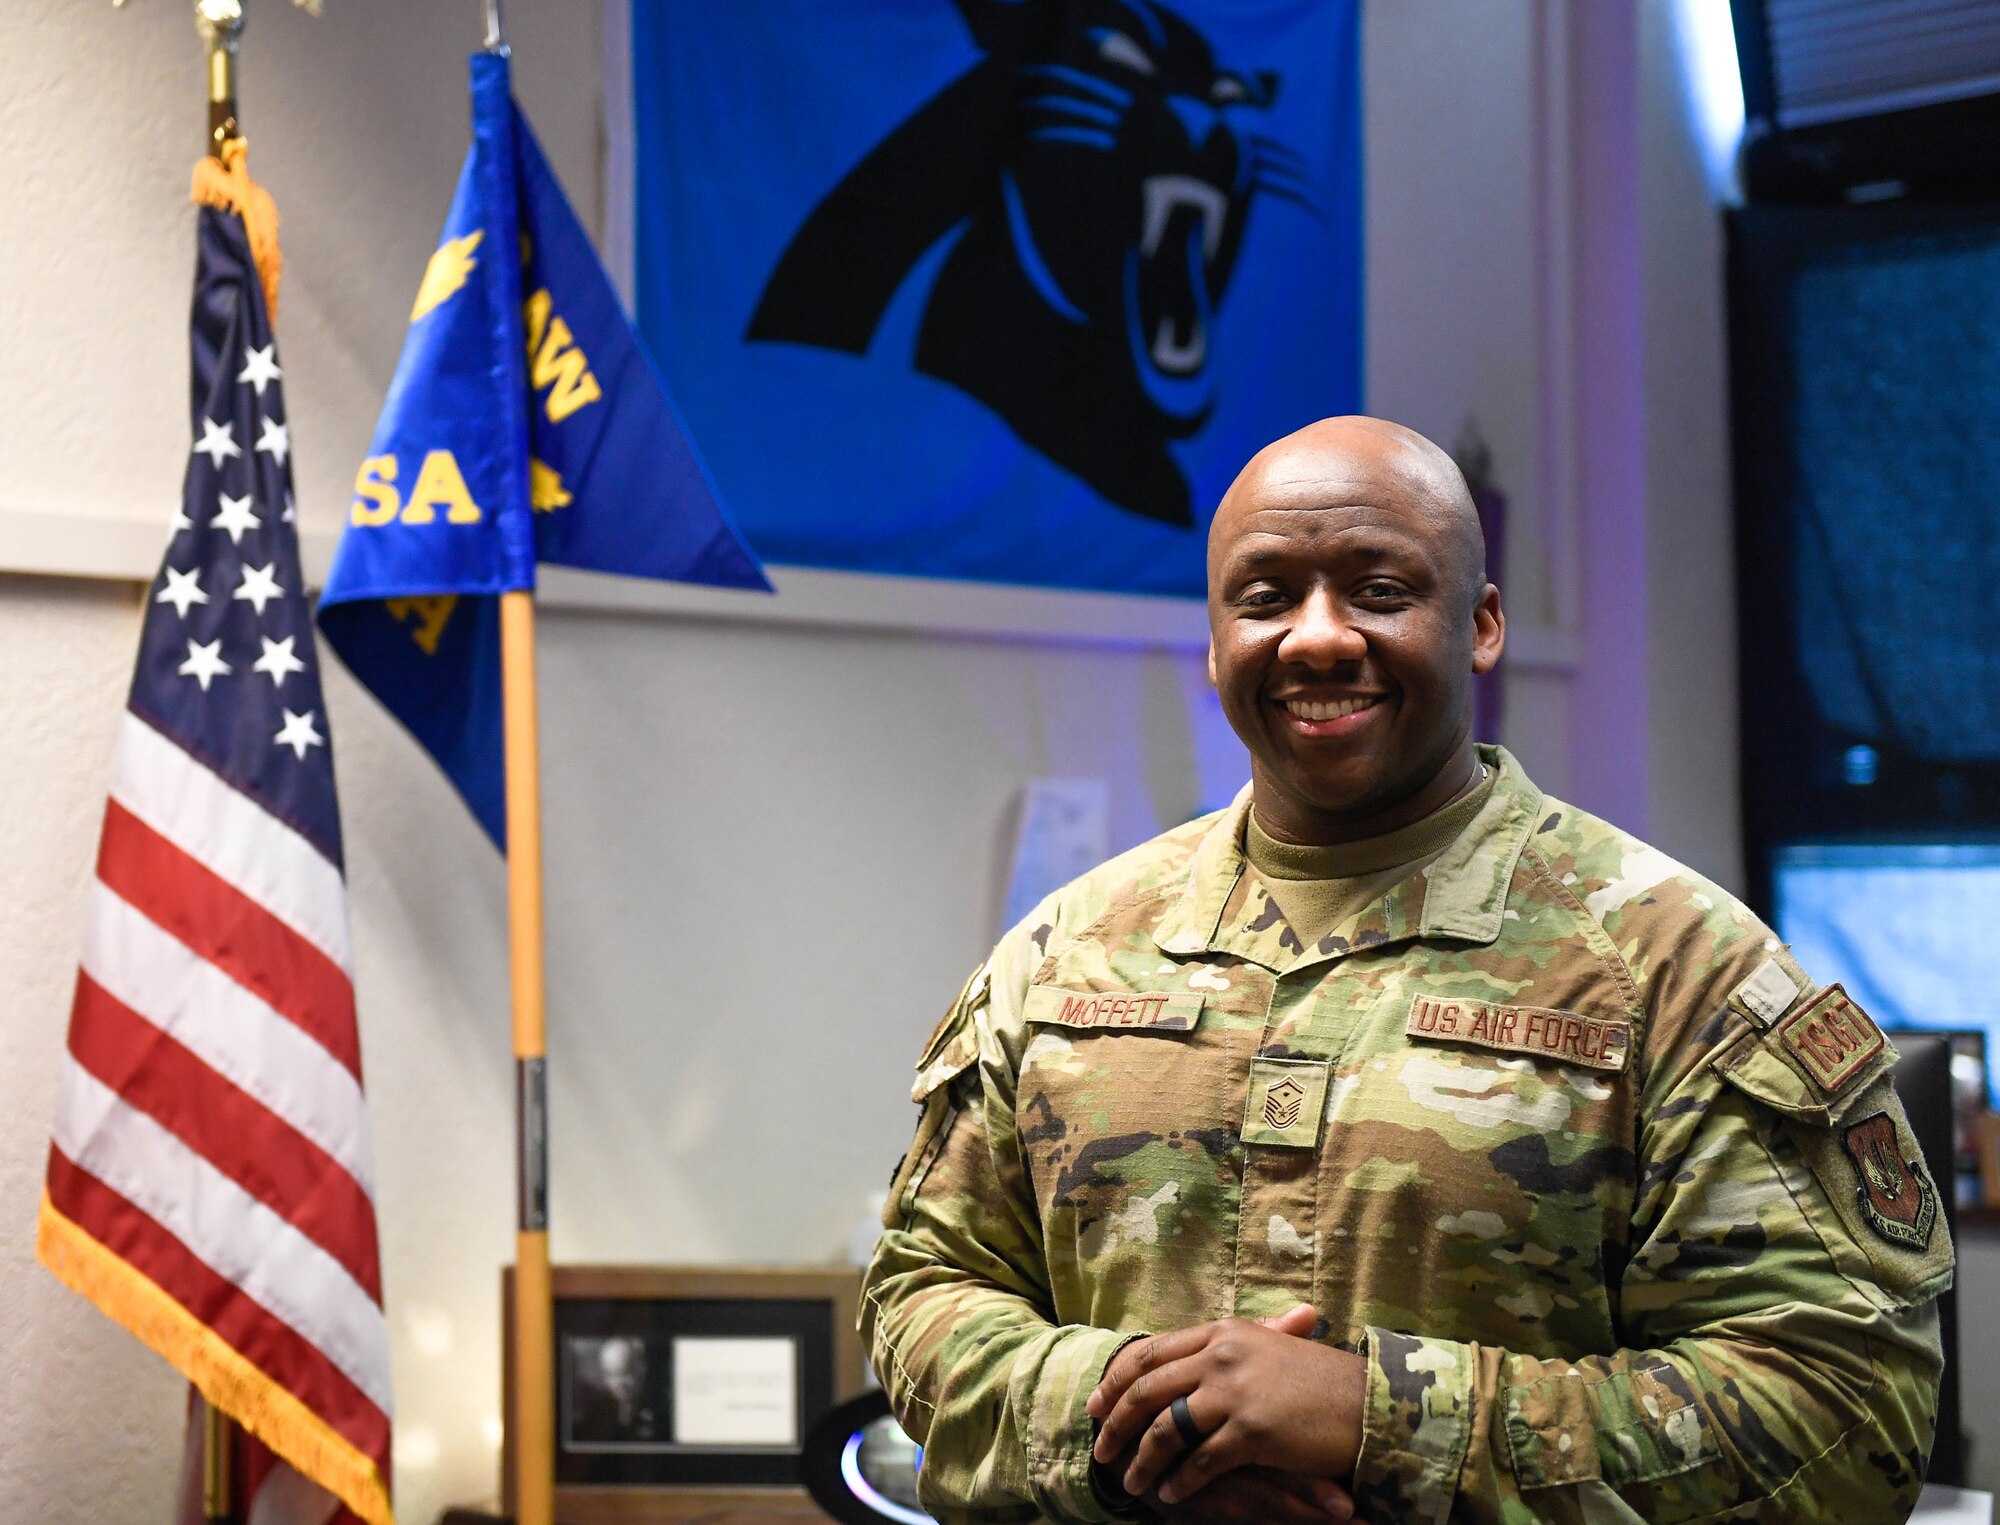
(210, 1181)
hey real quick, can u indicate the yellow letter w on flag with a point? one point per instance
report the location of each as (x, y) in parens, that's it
(556, 363)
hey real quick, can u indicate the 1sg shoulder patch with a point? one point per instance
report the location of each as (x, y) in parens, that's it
(1833, 1040)
(1896, 1197)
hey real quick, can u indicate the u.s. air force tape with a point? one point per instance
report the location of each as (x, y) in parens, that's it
(1597, 1043)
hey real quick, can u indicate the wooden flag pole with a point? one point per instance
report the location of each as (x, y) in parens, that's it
(533, 1419)
(532, 1424)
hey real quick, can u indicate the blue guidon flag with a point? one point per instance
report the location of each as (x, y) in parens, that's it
(1005, 290)
(524, 424)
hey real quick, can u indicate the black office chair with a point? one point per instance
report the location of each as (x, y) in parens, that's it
(1923, 1080)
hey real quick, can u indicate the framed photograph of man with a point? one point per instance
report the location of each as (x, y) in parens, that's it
(610, 1396)
(671, 1380)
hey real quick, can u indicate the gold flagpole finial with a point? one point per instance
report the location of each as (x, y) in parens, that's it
(220, 23)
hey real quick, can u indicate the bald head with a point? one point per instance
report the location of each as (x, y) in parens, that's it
(1348, 613)
(1357, 459)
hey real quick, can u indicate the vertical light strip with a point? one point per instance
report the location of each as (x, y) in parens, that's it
(1713, 85)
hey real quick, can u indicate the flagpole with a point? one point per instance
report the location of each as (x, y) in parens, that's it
(533, 1419)
(534, 1328)
(215, 1490)
(220, 23)
(221, 28)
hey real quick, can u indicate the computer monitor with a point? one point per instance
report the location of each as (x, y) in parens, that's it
(1906, 927)
(1923, 1080)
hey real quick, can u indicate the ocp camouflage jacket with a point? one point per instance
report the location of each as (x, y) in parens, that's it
(1620, 1209)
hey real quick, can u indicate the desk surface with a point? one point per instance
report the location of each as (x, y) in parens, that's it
(1953, 1506)
(663, 1506)
(787, 1506)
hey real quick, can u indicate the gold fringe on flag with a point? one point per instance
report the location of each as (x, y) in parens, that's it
(225, 184)
(228, 1381)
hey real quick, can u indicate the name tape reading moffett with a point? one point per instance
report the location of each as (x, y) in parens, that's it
(1595, 1042)
(1163, 1011)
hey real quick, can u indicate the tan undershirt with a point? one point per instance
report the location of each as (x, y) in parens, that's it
(1318, 888)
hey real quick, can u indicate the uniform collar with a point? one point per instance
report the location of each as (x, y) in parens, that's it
(1461, 895)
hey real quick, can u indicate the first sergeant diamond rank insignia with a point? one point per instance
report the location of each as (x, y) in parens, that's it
(1596, 1043)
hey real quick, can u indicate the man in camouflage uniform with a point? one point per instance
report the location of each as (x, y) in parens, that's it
(1542, 1186)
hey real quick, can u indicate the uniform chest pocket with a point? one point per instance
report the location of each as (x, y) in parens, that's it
(1504, 1129)
(1120, 1086)
(1474, 1095)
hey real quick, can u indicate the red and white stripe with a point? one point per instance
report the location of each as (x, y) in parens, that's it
(210, 1128)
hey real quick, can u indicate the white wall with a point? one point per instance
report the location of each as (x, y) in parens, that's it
(1690, 550)
(774, 851)
(1464, 305)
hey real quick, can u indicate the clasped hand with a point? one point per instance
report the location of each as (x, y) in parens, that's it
(1279, 1414)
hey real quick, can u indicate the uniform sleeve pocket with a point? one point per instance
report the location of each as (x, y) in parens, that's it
(1631, 1427)
(952, 1049)
(941, 1110)
(1855, 1170)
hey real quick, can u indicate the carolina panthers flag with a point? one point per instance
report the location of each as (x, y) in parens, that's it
(524, 424)
(998, 289)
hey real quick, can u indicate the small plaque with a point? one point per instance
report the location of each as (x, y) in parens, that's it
(686, 1382)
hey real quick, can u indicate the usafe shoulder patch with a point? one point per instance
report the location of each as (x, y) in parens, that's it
(1832, 1038)
(1163, 1011)
(1596, 1043)
(1896, 1196)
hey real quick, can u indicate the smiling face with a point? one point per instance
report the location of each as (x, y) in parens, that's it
(1348, 611)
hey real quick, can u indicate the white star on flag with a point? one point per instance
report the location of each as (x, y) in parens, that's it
(260, 369)
(217, 442)
(259, 585)
(275, 438)
(182, 589)
(204, 662)
(235, 518)
(278, 660)
(290, 515)
(298, 734)
(180, 521)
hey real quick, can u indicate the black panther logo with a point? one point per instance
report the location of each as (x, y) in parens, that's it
(1079, 298)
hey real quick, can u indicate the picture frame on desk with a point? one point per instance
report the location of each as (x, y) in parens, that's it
(685, 1391)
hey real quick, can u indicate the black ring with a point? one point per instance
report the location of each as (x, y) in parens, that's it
(1191, 1434)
